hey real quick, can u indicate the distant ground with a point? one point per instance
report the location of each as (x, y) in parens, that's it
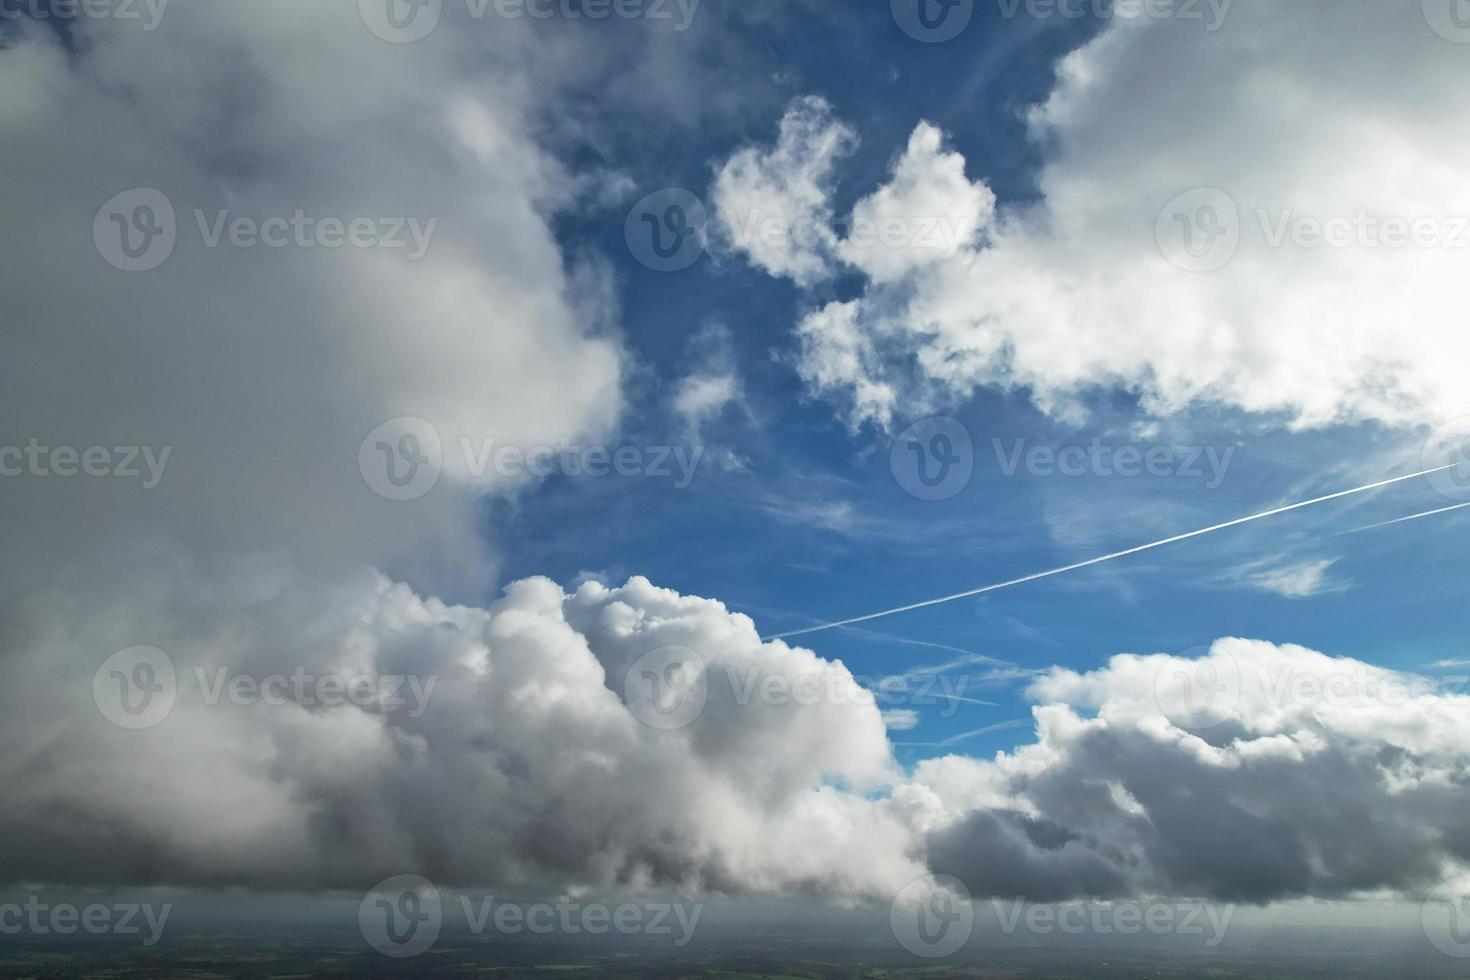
(218, 956)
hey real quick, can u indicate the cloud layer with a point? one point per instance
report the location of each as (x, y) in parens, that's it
(265, 368)
(542, 761)
(1265, 217)
(532, 760)
(1248, 772)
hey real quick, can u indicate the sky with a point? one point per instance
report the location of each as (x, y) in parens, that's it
(812, 525)
(552, 359)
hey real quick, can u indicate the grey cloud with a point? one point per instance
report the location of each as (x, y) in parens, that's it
(1325, 778)
(527, 770)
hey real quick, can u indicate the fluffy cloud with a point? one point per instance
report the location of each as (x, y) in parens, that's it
(534, 765)
(1328, 243)
(1253, 772)
(839, 358)
(927, 212)
(539, 760)
(771, 204)
(263, 550)
(527, 757)
(265, 368)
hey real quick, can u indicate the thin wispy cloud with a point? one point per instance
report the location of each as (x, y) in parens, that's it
(973, 733)
(1289, 579)
(1036, 576)
(901, 719)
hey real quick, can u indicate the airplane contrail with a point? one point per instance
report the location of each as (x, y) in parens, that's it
(964, 736)
(961, 697)
(1099, 560)
(1411, 517)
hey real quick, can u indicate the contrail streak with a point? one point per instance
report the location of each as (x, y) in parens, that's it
(961, 697)
(1099, 560)
(956, 739)
(1411, 517)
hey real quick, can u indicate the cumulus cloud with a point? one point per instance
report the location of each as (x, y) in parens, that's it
(927, 212)
(1251, 772)
(1303, 290)
(264, 551)
(265, 368)
(772, 203)
(533, 763)
(538, 762)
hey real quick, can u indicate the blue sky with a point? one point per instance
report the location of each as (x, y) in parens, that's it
(816, 527)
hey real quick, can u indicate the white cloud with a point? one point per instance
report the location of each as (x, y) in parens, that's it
(528, 769)
(699, 397)
(712, 384)
(262, 370)
(1075, 291)
(1206, 777)
(711, 393)
(1289, 579)
(772, 204)
(838, 357)
(260, 551)
(901, 719)
(830, 515)
(927, 212)
(265, 368)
